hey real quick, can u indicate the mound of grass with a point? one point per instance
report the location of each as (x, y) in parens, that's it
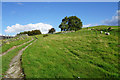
(45, 35)
(84, 54)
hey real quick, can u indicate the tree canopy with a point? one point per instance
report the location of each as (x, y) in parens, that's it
(51, 30)
(30, 33)
(70, 23)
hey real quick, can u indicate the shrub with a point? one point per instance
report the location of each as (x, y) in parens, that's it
(31, 33)
(45, 35)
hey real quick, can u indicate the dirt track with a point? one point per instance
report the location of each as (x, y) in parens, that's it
(14, 47)
(15, 70)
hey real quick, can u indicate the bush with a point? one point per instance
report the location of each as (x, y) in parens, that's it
(45, 35)
(31, 33)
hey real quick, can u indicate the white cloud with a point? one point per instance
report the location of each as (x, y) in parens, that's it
(114, 20)
(19, 3)
(90, 25)
(19, 28)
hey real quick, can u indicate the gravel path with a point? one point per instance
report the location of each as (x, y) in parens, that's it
(14, 48)
(15, 70)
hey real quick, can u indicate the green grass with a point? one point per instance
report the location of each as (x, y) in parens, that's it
(6, 46)
(82, 54)
(6, 59)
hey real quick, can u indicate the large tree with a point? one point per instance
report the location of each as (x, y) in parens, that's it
(70, 23)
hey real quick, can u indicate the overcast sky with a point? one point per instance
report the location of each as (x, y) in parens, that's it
(23, 16)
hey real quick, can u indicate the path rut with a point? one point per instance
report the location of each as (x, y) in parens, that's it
(15, 70)
(15, 47)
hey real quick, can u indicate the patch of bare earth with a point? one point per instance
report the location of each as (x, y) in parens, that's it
(14, 48)
(15, 70)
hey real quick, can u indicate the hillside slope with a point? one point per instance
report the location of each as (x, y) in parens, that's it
(85, 54)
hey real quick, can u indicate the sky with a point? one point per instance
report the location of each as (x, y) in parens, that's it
(60, 0)
(24, 16)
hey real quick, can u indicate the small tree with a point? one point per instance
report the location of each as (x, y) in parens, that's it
(51, 30)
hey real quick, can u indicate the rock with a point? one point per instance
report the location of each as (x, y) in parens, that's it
(107, 33)
(78, 77)
(109, 28)
(101, 32)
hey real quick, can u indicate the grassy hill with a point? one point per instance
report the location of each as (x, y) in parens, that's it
(9, 43)
(6, 59)
(85, 54)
